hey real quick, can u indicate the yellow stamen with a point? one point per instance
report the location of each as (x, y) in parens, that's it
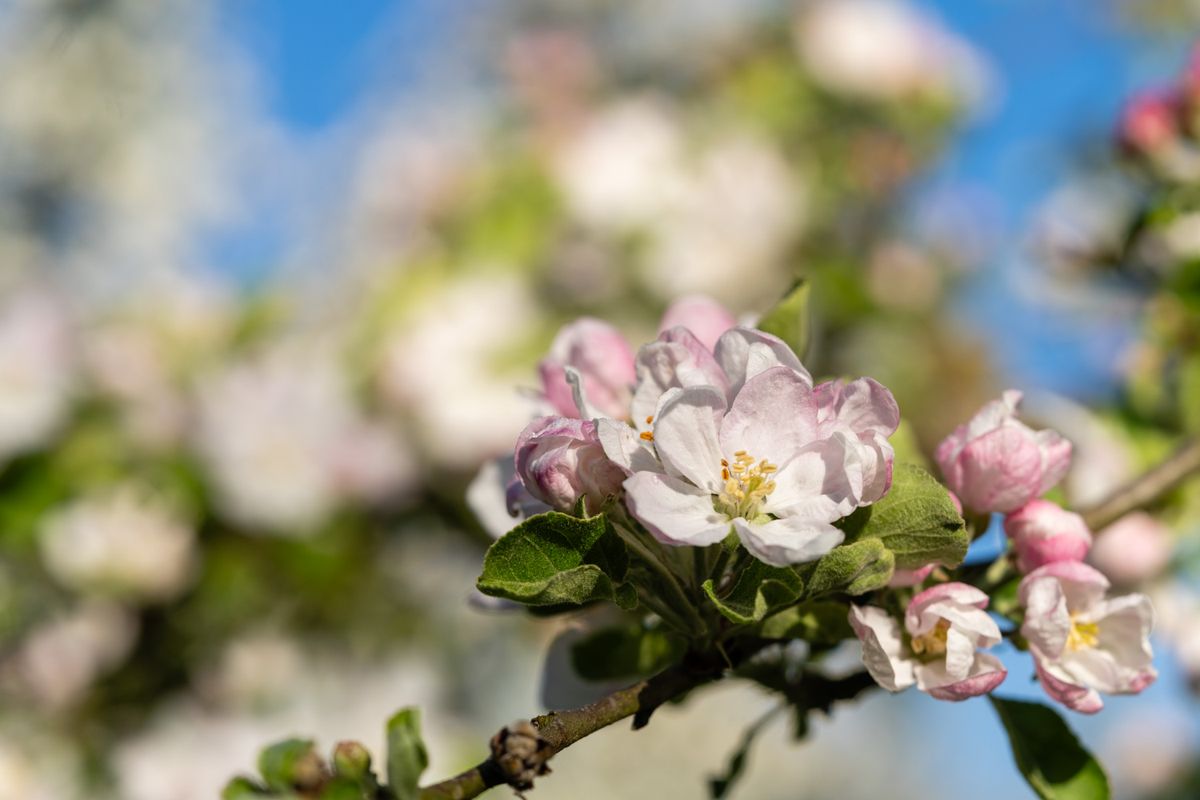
(647, 435)
(932, 643)
(747, 484)
(1082, 634)
(649, 419)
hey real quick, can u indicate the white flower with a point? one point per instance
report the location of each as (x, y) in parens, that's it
(757, 466)
(625, 167)
(937, 650)
(1082, 642)
(124, 543)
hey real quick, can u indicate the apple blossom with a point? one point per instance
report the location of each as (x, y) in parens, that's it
(865, 409)
(704, 317)
(604, 362)
(1082, 642)
(560, 461)
(1135, 548)
(997, 463)
(937, 647)
(1043, 532)
(758, 466)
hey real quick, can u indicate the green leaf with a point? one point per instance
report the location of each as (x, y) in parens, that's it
(857, 568)
(343, 789)
(789, 318)
(916, 520)
(626, 651)
(242, 788)
(760, 589)
(406, 757)
(816, 621)
(554, 558)
(285, 764)
(1048, 754)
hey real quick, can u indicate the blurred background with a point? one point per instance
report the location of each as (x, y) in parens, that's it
(275, 277)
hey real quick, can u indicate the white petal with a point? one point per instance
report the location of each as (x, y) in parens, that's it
(673, 511)
(788, 540)
(625, 447)
(883, 650)
(1047, 621)
(774, 417)
(685, 435)
(746, 352)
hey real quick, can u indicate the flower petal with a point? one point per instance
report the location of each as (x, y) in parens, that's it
(675, 512)
(883, 650)
(685, 435)
(985, 674)
(626, 448)
(746, 352)
(774, 416)
(788, 540)
(700, 314)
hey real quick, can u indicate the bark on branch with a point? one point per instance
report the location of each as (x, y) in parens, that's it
(1148, 487)
(561, 729)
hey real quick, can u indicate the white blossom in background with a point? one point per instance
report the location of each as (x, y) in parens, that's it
(254, 671)
(885, 50)
(447, 369)
(724, 232)
(61, 659)
(281, 438)
(37, 370)
(625, 167)
(126, 543)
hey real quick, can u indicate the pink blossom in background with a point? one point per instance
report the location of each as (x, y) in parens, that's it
(997, 463)
(1043, 532)
(604, 361)
(1135, 548)
(704, 317)
(1084, 643)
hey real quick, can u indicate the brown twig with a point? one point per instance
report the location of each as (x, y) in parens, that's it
(1147, 487)
(561, 729)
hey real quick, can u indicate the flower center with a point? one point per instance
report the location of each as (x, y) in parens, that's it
(932, 643)
(747, 483)
(1082, 634)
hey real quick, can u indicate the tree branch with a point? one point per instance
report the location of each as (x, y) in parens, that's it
(561, 729)
(1146, 488)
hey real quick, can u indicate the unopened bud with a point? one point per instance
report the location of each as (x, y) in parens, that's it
(521, 754)
(351, 760)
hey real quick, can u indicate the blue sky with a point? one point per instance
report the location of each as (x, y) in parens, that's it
(1063, 69)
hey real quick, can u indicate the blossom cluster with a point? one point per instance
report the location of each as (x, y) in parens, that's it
(712, 429)
(1082, 641)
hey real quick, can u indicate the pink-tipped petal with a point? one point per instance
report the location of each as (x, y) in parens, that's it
(700, 314)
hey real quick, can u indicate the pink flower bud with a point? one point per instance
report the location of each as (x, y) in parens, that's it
(704, 317)
(559, 460)
(1043, 533)
(1133, 549)
(1149, 122)
(903, 578)
(997, 463)
(603, 359)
